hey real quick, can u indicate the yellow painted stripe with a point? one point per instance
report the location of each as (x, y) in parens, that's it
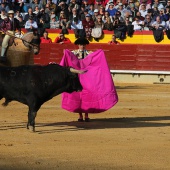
(136, 39)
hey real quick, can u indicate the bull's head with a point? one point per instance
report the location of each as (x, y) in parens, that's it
(74, 82)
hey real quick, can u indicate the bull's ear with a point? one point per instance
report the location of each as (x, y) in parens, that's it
(77, 71)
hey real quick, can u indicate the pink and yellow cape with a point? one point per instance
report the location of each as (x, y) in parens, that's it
(99, 93)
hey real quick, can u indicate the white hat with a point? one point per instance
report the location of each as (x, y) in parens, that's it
(120, 4)
(111, 3)
(10, 12)
(96, 10)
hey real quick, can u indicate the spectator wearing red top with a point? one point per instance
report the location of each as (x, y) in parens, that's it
(61, 39)
(45, 38)
(113, 41)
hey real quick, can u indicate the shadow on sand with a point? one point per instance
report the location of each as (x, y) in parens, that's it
(108, 123)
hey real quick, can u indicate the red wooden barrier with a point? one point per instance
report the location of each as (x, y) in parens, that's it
(119, 57)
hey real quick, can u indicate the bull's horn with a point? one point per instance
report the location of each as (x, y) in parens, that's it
(77, 71)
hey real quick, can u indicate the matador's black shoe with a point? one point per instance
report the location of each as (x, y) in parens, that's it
(87, 119)
(80, 120)
(3, 59)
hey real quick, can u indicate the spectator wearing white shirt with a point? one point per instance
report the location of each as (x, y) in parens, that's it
(138, 24)
(31, 25)
(143, 10)
(3, 14)
(77, 27)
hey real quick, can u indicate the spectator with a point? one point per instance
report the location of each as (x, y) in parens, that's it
(47, 9)
(108, 25)
(97, 4)
(65, 25)
(45, 38)
(112, 11)
(121, 9)
(86, 12)
(91, 10)
(150, 13)
(101, 11)
(113, 41)
(167, 13)
(107, 15)
(73, 5)
(81, 13)
(8, 26)
(37, 14)
(62, 6)
(19, 17)
(158, 24)
(155, 12)
(51, 6)
(138, 24)
(42, 25)
(45, 18)
(26, 6)
(96, 13)
(99, 23)
(167, 4)
(129, 27)
(36, 3)
(98, 28)
(143, 10)
(138, 14)
(30, 13)
(163, 16)
(159, 28)
(119, 29)
(86, 5)
(31, 25)
(118, 15)
(148, 23)
(133, 9)
(3, 14)
(52, 14)
(61, 39)
(128, 15)
(18, 5)
(54, 24)
(157, 4)
(73, 14)
(77, 27)
(168, 28)
(4, 7)
(61, 16)
(88, 24)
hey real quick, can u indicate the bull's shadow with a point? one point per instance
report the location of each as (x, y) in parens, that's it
(106, 123)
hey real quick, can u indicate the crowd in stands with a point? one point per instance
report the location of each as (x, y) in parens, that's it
(88, 18)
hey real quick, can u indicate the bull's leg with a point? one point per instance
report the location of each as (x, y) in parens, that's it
(31, 120)
(32, 113)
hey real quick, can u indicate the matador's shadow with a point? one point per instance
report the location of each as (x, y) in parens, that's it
(107, 123)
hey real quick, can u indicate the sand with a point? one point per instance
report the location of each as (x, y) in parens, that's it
(133, 135)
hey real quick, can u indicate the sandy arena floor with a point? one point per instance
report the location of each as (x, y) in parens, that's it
(133, 135)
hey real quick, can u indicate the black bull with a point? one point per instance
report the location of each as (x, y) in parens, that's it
(34, 85)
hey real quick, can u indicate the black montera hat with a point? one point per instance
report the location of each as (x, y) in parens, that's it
(81, 41)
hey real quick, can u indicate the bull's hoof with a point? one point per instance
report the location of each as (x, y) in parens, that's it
(31, 128)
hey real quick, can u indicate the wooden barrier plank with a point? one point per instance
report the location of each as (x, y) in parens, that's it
(130, 57)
